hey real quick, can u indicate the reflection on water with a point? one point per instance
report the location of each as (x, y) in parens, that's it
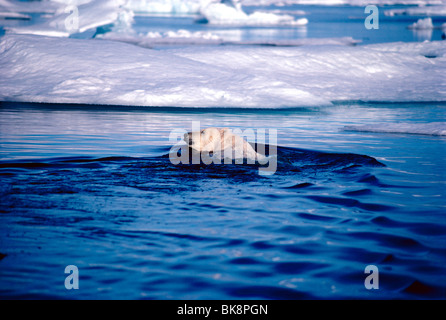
(423, 34)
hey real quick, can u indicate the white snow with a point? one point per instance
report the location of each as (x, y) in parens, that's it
(433, 128)
(64, 70)
(215, 12)
(90, 14)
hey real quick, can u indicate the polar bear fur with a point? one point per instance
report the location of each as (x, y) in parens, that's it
(221, 141)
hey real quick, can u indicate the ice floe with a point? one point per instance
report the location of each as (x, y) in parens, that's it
(223, 14)
(64, 70)
(422, 24)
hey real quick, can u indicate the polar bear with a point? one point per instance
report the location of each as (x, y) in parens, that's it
(223, 142)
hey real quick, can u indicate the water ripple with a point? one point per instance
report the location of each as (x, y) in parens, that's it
(143, 227)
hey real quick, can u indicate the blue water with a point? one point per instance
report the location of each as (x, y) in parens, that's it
(94, 187)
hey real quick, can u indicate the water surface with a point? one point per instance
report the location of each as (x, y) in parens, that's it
(94, 187)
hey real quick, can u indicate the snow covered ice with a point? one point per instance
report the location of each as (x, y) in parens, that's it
(46, 69)
(220, 13)
(167, 6)
(98, 71)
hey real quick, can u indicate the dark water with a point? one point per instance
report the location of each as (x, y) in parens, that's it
(94, 187)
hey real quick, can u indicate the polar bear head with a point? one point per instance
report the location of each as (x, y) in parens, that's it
(209, 139)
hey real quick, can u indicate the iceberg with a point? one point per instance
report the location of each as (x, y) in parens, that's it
(223, 14)
(422, 24)
(153, 39)
(167, 6)
(72, 17)
(422, 29)
(92, 71)
(433, 128)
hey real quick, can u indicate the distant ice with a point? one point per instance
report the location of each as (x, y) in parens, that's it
(433, 11)
(229, 12)
(91, 14)
(185, 37)
(422, 29)
(223, 14)
(167, 6)
(422, 24)
(433, 128)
